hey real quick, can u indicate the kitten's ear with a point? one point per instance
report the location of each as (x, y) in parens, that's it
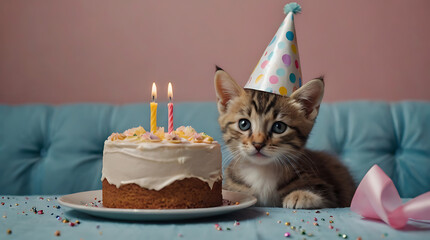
(226, 89)
(309, 96)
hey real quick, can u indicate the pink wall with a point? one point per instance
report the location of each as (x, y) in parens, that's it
(111, 51)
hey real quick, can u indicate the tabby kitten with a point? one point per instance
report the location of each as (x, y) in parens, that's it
(266, 134)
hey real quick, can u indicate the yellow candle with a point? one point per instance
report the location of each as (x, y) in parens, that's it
(153, 106)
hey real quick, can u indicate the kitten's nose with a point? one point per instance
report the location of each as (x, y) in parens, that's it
(258, 145)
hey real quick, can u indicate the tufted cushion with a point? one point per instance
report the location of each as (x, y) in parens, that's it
(48, 149)
(395, 136)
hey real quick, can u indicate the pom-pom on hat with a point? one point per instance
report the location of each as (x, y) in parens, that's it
(279, 70)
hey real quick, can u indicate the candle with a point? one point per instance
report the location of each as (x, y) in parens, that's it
(154, 108)
(170, 106)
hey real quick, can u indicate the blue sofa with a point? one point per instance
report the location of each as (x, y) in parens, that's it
(46, 149)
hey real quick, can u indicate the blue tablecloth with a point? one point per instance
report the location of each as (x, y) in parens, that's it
(21, 218)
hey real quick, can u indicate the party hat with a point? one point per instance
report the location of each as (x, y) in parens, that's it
(279, 70)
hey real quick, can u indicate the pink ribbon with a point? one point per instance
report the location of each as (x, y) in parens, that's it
(377, 197)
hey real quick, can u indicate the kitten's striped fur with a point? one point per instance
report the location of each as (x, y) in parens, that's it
(276, 167)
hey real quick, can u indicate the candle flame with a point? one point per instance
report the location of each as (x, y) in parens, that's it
(170, 91)
(154, 92)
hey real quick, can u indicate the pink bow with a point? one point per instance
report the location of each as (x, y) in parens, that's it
(377, 197)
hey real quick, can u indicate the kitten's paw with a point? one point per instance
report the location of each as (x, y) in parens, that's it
(303, 199)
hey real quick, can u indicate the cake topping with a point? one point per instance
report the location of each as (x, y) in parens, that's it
(181, 134)
(117, 136)
(173, 137)
(134, 131)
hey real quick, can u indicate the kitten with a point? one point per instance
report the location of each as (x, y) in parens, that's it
(266, 134)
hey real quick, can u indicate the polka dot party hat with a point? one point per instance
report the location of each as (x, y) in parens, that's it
(278, 70)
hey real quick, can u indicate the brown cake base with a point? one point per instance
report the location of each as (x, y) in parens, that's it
(186, 193)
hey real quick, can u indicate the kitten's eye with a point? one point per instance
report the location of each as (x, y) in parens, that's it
(244, 124)
(279, 127)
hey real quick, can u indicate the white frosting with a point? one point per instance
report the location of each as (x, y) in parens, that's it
(154, 165)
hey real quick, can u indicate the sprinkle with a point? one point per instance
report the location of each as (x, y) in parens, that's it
(98, 226)
(302, 220)
(322, 219)
(65, 220)
(58, 218)
(236, 203)
(180, 235)
(331, 221)
(310, 234)
(228, 229)
(293, 228)
(4, 216)
(358, 238)
(287, 223)
(303, 232)
(294, 211)
(236, 223)
(71, 224)
(16, 204)
(330, 226)
(315, 219)
(316, 224)
(77, 222)
(344, 236)
(317, 211)
(267, 213)
(218, 227)
(9, 231)
(2, 203)
(279, 221)
(287, 234)
(57, 233)
(40, 212)
(101, 233)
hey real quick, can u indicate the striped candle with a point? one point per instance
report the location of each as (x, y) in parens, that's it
(170, 107)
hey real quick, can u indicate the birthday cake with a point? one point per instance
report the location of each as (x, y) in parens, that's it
(158, 170)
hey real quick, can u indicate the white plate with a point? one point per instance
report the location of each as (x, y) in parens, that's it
(84, 202)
